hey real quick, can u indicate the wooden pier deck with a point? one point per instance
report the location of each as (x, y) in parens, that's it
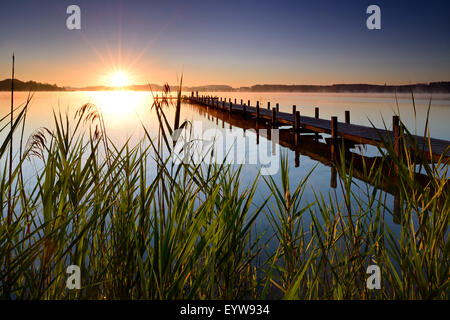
(432, 149)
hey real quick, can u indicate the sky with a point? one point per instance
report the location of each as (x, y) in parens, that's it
(238, 43)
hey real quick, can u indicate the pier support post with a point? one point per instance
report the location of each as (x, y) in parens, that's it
(396, 130)
(274, 117)
(257, 109)
(397, 135)
(334, 135)
(223, 106)
(257, 132)
(397, 217)
(231, 107)
(347, 116)
(333, 180)
(316, 115)
(297, 127)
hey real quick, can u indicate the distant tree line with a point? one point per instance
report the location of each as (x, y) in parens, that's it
(435, 87)
(5, 85)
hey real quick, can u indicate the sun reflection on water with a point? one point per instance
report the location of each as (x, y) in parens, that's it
(121, 103)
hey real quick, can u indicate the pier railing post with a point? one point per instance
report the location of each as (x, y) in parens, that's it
(244, 107)
(294, 109)
(231, 106)
(347, 116)
(278, 107)
(268, 105)
(248, 103)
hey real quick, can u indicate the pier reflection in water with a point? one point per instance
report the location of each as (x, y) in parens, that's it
(319, 148)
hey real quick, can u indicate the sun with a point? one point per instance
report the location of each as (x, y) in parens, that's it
(119, 79)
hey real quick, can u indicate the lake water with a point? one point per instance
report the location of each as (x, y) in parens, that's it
(124, 111)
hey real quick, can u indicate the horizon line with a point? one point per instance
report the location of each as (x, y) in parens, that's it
(238, 87)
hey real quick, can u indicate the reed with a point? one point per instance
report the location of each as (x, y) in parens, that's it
(189, 231)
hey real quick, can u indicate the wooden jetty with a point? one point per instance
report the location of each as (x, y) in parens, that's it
(314, 148)
(430, 148)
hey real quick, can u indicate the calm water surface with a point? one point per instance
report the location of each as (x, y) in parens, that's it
(124, 111)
